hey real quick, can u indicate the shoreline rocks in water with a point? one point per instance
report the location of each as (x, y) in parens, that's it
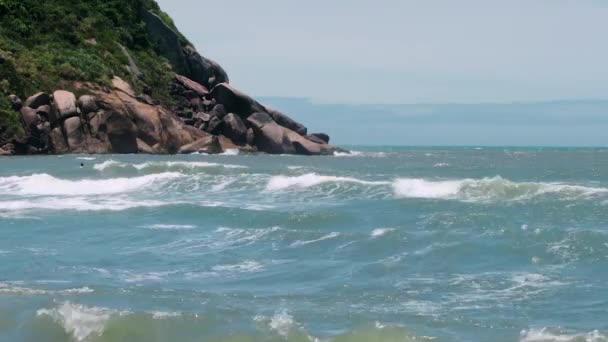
(118, 120)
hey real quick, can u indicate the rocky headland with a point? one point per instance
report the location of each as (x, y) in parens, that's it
(155, 94)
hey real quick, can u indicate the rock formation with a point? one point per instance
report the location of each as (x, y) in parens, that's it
(148, 106)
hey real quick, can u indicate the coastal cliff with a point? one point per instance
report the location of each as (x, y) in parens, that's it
(118, 77)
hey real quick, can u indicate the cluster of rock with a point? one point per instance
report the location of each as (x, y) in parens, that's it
(117, 120)
(209, 114)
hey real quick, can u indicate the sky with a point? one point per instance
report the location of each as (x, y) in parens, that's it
(425, 72)
(405, 51)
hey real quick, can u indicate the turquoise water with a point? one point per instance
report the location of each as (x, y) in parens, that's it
(460, 244)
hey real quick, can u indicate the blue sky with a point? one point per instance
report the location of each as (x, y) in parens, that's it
(404, 51)
(474, 72)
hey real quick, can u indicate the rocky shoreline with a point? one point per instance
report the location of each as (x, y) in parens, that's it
(200, 111)
(117, 120)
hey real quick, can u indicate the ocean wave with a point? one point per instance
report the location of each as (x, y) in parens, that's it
(45, 184)
(159, 166)
(170, 226)
(79, 321)
(331, 235)
(312, 179)
(360, 154)
(78, 204)
(488, 189)
(89, 323)
(378, 232)
(557, 335)
(6, 288)
(231, 152)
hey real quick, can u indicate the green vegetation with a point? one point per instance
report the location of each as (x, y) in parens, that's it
(49, 44)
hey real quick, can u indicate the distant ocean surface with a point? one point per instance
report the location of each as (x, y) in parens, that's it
(389, 244)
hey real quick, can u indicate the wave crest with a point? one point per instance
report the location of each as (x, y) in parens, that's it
(45, 184)
(312, 179)
(487, 189)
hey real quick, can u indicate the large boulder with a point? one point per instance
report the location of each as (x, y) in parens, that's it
(204, 70)
(120, 84)
(269, 136)
(64, 105)
(219, 111)
(122, 133)
(319, 138)
(235, 101)
(191, 85)
(144, 148)
(286, 121)
(184, 59)
(215, 125)
(209, 144)
(273, 138)
(88, 104)
(57, 142)
(29, 117)
(74, 133)
(235, 129)
(37, 100)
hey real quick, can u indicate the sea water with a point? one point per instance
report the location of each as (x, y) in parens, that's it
(386, 244)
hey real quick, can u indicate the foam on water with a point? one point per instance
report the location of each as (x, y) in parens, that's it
(45, 184)
(231, 152)
(79, 204)
(323, 238)
(556, 335)
(79, 321)
(488, 189)
(312, 179)
(170, 226)
(378, 232)
(6, 288)
(163, 166)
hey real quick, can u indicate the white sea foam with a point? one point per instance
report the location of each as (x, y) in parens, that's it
(78, 320)
(231, 152)
(360, 154)
(165, 314)
(281, 323)
(78, 204)
(106, 164)
(248, 266)
(223, 185)
(487, 189)
(556, 335)
(323, 238)
(312, 179)
(378, 232)
(170, 226)
(163, 165)
(86, 158)
(45, 184)
(441, 165)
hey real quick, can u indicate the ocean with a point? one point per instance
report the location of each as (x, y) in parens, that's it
(387, 244)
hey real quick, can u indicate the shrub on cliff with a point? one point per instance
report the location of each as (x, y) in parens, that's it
(49, 44)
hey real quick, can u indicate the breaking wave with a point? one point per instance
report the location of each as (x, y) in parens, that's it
(488, 189)
(159, 166)
(45, 184)
(312, 179)
(556, 335)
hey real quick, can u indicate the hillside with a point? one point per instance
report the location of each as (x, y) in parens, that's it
(98, 47)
